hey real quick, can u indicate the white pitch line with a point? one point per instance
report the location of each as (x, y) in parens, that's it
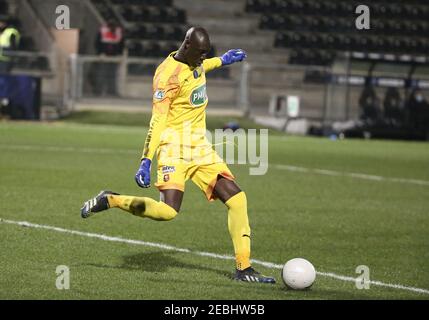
(67, 149)
(199, 253)
(272, 165)
(349, 174)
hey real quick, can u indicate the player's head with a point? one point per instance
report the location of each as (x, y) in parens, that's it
(196, 46)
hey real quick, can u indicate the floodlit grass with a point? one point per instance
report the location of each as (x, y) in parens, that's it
(339, 222)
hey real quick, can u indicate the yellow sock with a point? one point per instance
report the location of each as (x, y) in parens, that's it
(239, 229)
(143, 207)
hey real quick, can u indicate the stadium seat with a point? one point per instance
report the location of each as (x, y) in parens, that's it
(39, 63)
(167, 48)
(139, 69)
(4, 7)
(172, 32)
(151, 49)
(219, 73)
(21, 62)
(154, 31)
(26, 44)
(128, 13)
(135, 48)
(134, 31)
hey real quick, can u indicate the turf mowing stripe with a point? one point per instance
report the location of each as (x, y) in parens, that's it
(272, 165)
(200, 253)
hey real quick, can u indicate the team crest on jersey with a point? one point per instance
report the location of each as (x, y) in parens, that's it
(159, 94)
(166, 177)
(199, 96)
(168, 169)
(198, 72)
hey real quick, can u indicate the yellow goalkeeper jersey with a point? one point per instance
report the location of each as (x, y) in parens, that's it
(179, 103)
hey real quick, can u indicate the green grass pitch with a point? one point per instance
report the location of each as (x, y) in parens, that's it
(337, 222)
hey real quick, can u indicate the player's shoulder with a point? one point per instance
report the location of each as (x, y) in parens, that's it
(169, 71)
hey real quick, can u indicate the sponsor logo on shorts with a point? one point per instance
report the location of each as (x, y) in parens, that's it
(168, 169)
(199, 96)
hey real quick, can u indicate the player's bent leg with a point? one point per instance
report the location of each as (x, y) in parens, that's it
(96, 204)
(143, 207)
(224, 188)
(172, 197)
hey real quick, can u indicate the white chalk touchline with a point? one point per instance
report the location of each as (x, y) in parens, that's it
(199, 253)
(349, 174)
(271, 165)
(68, 149)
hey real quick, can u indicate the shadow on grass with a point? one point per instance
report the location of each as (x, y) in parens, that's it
(164, 262)
(160, 262)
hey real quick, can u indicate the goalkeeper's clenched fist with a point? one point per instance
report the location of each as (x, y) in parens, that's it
(142, 176)
(233, 55)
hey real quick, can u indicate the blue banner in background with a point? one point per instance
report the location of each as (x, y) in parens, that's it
(23, 93)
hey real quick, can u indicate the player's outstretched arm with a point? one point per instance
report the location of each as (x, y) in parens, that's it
(229, 57)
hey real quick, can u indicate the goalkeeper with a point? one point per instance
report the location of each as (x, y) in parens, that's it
(177, 136)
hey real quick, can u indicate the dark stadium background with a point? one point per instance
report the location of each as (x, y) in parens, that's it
(350, 82)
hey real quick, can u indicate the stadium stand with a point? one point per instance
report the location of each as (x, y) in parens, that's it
(152, 28)
(308, 49)
(315, 31)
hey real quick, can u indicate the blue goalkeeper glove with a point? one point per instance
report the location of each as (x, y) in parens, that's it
(233, 55)
(143, 174)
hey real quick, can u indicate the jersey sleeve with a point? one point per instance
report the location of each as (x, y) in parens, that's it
(164, 92)
(212, 63)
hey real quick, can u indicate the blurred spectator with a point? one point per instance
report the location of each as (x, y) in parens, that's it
(418, 110)
(9, 41)
(369, 104)
(393, 112)
(109, 42)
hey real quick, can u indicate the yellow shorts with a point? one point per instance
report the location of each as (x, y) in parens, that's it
(204, 174)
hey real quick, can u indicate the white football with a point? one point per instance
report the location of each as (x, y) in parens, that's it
(298, 274)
